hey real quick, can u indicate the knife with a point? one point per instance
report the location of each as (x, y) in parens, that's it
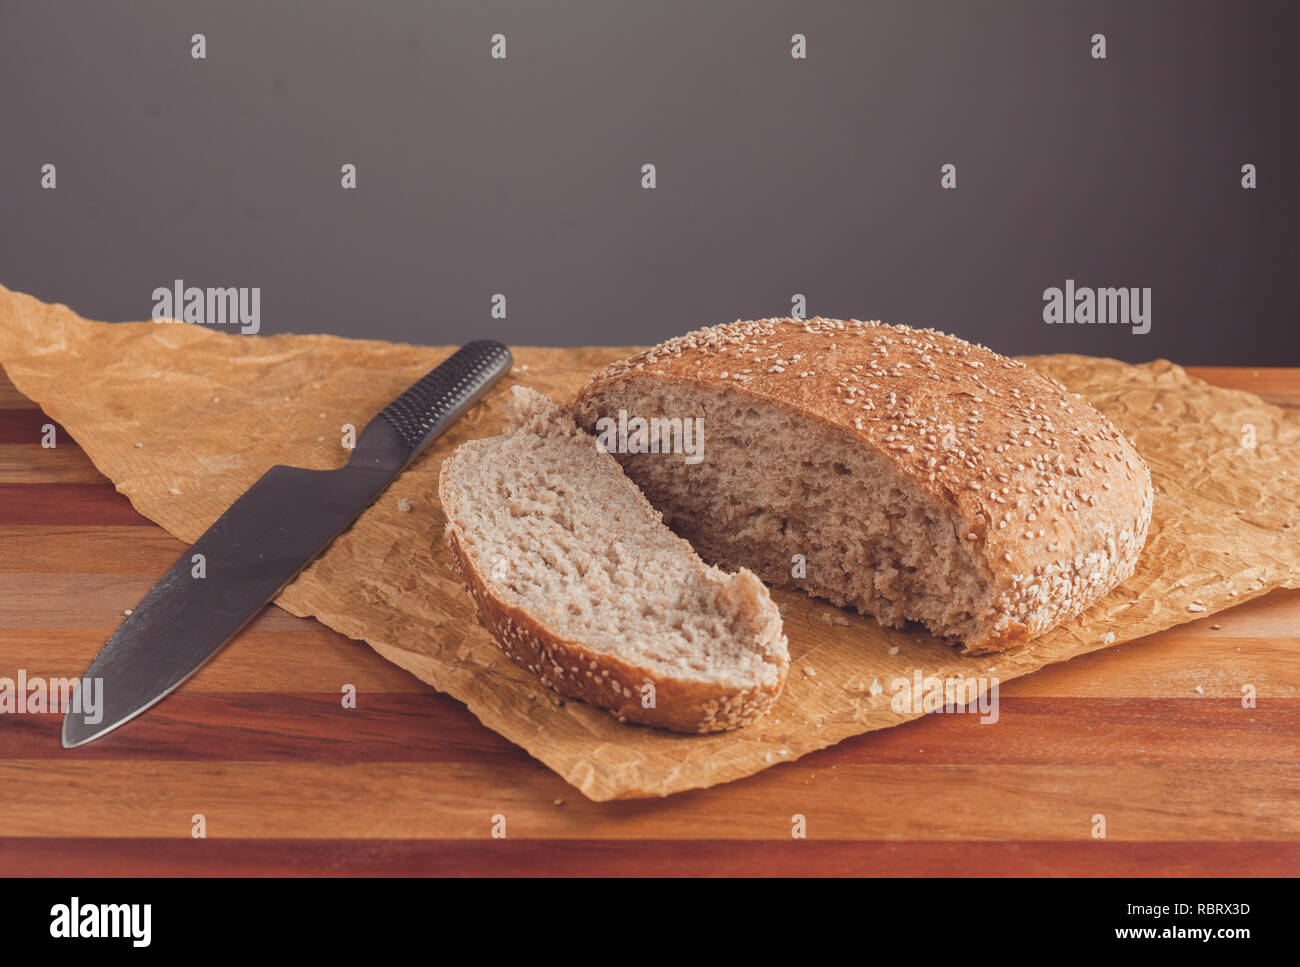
(261, 543)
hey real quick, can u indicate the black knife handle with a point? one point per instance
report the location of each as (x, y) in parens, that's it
(431, 405)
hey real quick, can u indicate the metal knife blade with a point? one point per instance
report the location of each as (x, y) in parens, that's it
(263, 540)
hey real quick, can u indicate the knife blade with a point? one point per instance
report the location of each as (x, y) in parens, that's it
(263, 540)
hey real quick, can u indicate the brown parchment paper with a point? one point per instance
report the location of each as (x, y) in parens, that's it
(183, 419)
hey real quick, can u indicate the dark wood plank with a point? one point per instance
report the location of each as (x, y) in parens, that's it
(67, 503)
(280, 727)
(26, 427)
(63, 856)
(294, 727)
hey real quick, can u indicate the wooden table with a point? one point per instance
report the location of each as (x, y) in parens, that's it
(288, 782)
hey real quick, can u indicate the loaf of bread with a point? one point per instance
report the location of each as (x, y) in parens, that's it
(902, 472)
(579, 581)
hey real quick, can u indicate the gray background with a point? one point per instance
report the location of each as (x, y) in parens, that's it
(775, 175)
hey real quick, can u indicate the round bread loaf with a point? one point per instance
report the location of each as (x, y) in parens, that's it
(904, 472)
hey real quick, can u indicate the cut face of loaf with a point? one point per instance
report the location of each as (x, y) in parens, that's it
(905, 473)
(771, 487)
(578, 580)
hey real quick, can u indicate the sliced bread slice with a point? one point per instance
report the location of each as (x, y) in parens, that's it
(579, 581)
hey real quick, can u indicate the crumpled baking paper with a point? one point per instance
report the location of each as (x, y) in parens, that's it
(183, 419)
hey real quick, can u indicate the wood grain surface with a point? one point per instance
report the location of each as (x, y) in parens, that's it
(1150, 734)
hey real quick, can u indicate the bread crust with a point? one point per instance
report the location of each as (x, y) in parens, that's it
(1054, 501)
